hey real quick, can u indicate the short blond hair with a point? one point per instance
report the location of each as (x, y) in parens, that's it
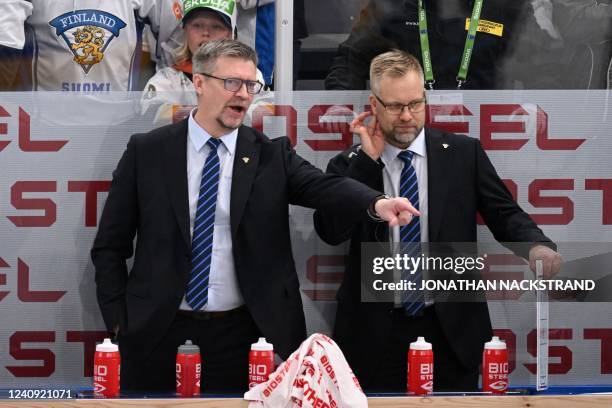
(394, 63)
(205, 59)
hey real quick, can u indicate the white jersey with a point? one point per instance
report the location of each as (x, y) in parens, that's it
(169, 32)
(79, 45)
(168, 87)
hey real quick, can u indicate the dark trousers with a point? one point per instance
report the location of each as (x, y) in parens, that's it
(449, 373)
(224, 349)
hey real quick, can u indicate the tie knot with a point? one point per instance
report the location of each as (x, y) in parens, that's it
(405, 156)
(213, 143)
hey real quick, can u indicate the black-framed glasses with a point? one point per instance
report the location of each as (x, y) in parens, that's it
(416, 106)
(234, 84)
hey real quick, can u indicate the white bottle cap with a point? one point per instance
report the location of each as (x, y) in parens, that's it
(107, 346)
(188, 348)
(262, 345)
(420, 344)
(495, 344)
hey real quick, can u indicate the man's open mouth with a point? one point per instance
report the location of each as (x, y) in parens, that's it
(237, 108)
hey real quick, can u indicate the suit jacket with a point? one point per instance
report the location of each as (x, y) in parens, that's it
(461, 182)
(148, 198)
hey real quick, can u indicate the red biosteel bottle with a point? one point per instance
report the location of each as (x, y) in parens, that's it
(188, 370)
(261, 362)
(495, 366)
(420, 367)
(107, 366)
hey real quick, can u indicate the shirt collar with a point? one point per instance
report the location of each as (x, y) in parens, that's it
(417, 147)
(199, 136)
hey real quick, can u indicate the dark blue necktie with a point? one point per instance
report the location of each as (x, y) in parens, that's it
(413, 301)
(203, 228)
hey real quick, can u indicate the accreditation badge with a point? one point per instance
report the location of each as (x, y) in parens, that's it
(487, 26)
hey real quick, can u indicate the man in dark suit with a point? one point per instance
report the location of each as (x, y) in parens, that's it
(448, 178)
(207, 199)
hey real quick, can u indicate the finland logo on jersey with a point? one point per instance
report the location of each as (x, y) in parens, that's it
(87, 33)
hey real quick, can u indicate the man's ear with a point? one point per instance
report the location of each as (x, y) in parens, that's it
(198, 84)
(373, 101)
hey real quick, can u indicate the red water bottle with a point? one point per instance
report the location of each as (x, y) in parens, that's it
(495, 366)
(107, 367)
(188, 370)
(261, 362)
(420, 367)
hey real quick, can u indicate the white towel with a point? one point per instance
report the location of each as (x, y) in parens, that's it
(315, 375)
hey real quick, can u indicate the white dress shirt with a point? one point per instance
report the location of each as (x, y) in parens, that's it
(223, 290)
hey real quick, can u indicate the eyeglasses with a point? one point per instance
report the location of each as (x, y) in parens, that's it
(234, 84)
(415, 106)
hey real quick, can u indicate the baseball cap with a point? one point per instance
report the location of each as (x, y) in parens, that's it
(226, 9)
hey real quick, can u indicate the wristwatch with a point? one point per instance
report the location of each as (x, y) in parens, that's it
(372, 208)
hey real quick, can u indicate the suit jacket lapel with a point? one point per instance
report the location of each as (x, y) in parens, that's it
(175, 176)
(246, 161)
(440, 158)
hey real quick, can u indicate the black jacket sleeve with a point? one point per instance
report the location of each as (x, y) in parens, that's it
(502, 214)
(333, 193)
(357, 165)
(113, 244)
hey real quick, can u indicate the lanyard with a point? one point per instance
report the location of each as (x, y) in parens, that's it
(467, 49)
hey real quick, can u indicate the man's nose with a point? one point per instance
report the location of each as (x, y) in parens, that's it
(405, 114)
(242, 91)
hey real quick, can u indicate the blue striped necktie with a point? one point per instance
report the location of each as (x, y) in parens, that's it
(413, 301)
(203, 228)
